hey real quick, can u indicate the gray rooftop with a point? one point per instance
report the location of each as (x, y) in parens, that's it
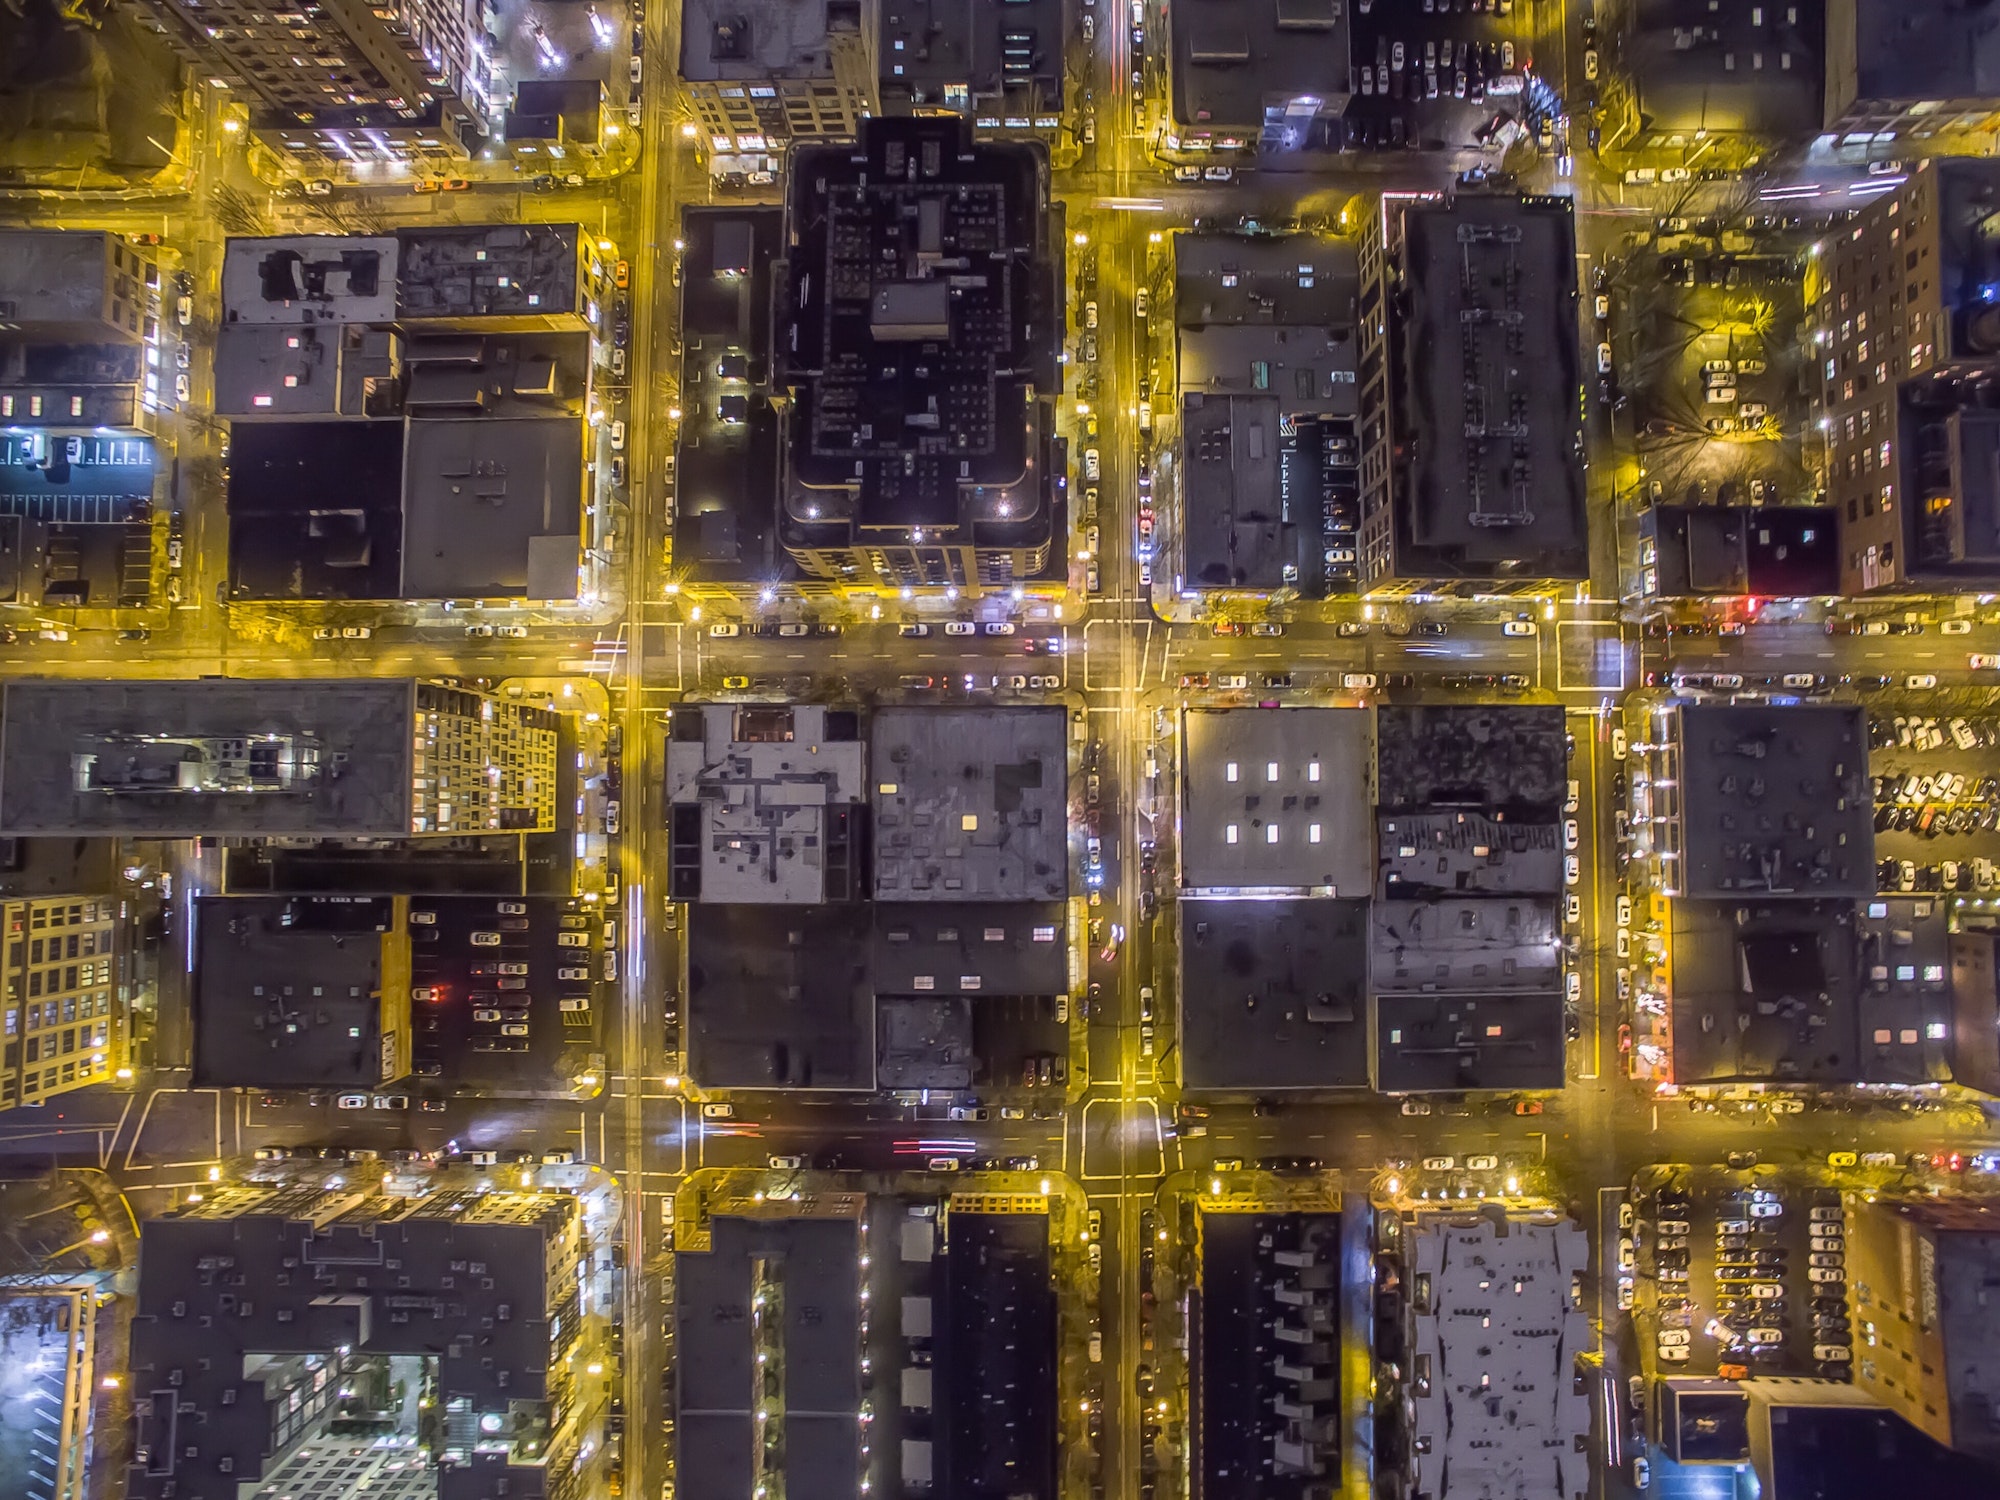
(971, 804)
(176, 759)
(754, 40)
(1741, 66)
(928, 46)
(1276, 800)
(1774, 800)
(493, 508)
(949, 948)
(1475, 945)
(57, 282)
(1489, 376)
(766, 782)
(778, 997)
(271, 370)
(1233, 59)
(1467, 852)
(517, 271)
(1503, 1415)
(812, 1251)
(309, 278)
(1274, 994)
(278, 1006)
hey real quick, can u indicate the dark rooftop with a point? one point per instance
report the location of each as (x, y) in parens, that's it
(1808, 1448)
(965, 948)
(997, 1353)
(493, 508)
(521, 272)
(1274, 994)
(1774, 800)
(778, 997)
(1445, 1043)
(1764, 991)
(1910, 51)
(1275, 800)
(290, 999)
(166, 759)
(1235, 60)
(1008, 58)
(315, 510)
(918, 321)
(1713, 551)
(1488, 376)
(1696, 66)
(1508, 759)
(726, 490)
(813, 1249)
(203, 1425)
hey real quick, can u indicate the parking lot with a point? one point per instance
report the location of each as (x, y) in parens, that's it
(502, 991)
(1937, 805)
(1736, 1272)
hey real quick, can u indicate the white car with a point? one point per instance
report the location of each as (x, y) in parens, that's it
(1672, 1356)
(1569, 833)
(1415, 1107)
(1955, 627)
(1766, 1210)
(1766, 1291)
(352, 1101)
(1439, 1163)
(724, 631)
(787, 1163)
(718, 1111)
(999, 627)
(1518, 627)
(1357, 680)
(1092, 467)
(1481, 1163)
(1917, 680)
(960, 627)
(618, 435)
(1672, 1338)
(486, 940)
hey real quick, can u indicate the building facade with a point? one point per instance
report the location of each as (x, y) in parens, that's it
(1907, 332)
(345, 81)
(762, 75)
(65, 998)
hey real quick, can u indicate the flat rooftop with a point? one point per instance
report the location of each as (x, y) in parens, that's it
(1273, 995)
(811, 1249)
(1501, 1331)
(57, 281)
(754, 40)
(917, 328)
(493, 508)
(1233, 59)
(315, 509)
(971, 804)
(1775, 552)
(760, 797)
(309, 278)
(1008, 58)
(1774, 800)
(285, 1005)
(970, 948)
(779, 998)
(489, 271)
(1510, 759)
(1489, 379)
(179, 758)
(1755, 69)
(997, 1357)
(1275, 800)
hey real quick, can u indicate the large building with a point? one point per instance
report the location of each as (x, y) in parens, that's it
(1684, 72)
(1908, 335)
(917, 324)
(408, 411)
(1750, 801)
(1275, 802)
(1927, 1327)
(1269, 473)
(1496, 1327)
(369, 84)
(299, 993)
(1000, 66)
(265, 1310)
(1909, 70)
(66, 996)
(1471, 396)
(1738, 551)
(337, 757)
(1243, 76)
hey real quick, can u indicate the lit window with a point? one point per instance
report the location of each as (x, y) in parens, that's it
(1935, 1031)
(1229, 834)
(1312, 833)
(1229, 771)
(1270, 833)
(1312, 770)
(1270, 770)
